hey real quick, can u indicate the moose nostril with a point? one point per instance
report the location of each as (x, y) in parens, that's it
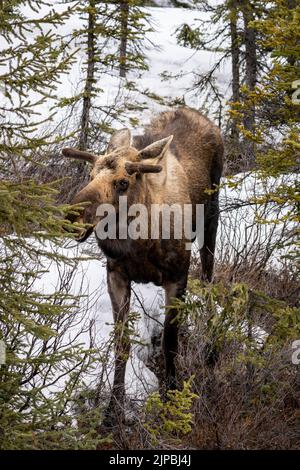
(122, 185)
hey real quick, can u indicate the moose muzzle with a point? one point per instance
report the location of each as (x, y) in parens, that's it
(84, 211)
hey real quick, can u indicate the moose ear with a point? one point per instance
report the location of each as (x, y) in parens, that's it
(157, 149)
(121, 138)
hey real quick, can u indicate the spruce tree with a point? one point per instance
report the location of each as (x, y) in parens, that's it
(112, 36)
(278, 111)
(34, 412)
(229, 33)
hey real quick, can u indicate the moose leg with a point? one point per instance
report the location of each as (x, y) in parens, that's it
(119, 291)
(171, 327)
(211, 218)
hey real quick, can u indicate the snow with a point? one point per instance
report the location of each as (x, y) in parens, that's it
(89, 281)
(239, 232)
(163, 55)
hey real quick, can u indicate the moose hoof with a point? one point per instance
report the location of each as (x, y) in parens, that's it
(169, 385)
(113, 418)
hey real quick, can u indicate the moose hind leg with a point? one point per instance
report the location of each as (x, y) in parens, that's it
(119, 291)
(207, 252)
(171, 328)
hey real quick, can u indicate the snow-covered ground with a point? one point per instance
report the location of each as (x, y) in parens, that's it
(89, 281)
(239, 230)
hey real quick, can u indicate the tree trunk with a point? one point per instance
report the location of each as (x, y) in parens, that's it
(251, 74)
(235, 65)
(291, 4)
(124, 13)
(90, 76)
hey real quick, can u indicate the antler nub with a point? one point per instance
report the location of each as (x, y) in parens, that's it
(137, 167)
(80, 155)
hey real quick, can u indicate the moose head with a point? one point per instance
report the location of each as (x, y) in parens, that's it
(119, 172)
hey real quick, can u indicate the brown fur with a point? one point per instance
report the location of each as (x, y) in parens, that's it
(182, 170)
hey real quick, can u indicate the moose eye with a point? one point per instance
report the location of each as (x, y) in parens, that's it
(121, 185)
(110, 163)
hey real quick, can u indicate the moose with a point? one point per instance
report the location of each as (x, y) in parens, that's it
(178, 159)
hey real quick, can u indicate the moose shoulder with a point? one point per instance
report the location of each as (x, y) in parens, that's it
(179, 157)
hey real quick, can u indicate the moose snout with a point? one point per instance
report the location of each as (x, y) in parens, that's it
(85, 216)
(86, 203)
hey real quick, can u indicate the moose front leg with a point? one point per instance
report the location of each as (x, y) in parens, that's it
(119, 291)
(171, 328)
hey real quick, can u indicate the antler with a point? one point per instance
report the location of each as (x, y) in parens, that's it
(80, 155)
(133, 167)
